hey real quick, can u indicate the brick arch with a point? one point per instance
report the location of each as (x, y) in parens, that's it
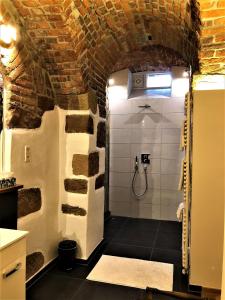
(150, 58)
(29, 91)
(81, 41)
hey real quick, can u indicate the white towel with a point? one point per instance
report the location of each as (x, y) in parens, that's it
(180, 212)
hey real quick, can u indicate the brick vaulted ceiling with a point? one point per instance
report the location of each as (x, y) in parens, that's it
(83, 41)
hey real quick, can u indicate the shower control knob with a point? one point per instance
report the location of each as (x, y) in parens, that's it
(145, 159)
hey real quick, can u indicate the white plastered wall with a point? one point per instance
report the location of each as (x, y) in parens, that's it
(52, 152)
(41, 172)
(87, 230)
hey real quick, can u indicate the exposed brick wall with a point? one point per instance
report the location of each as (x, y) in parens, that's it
(82, 41)
(79, 43)
(151, 58)
(212, 54)
(28, 85)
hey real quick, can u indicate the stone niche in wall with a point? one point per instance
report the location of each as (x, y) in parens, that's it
(79, 124)
(87, 165)
(79, 186)
(29, 201)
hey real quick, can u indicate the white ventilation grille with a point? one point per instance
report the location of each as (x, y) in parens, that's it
(138, 81)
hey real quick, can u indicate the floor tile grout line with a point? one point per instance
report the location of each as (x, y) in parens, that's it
(154, 242)
(137, 246)
(76, 292)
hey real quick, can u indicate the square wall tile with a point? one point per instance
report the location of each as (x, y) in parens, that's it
(120, 106)
(172, 120)
(171, 151)
(152, 196)
(147, 120)
(170, 166)
(156, 214)
(120, 164)
(170, 197)
(119, 179)
(120, 150)
(173, 105)
(169, 182)
(119, 194)
(120, 121)
(171, 136)
(168, 212)
(123, 209)
(141, 210)
(154, 181)
(153, 149)
(145, 136)
(120, 136)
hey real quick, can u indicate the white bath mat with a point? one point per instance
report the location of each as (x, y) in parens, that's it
(133, 272)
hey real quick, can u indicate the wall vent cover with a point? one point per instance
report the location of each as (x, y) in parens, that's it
(138, 80)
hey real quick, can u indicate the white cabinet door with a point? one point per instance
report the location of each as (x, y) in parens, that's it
(12, 282)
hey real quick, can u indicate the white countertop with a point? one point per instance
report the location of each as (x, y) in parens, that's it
(10, 236)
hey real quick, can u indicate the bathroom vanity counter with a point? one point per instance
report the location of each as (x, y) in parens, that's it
(9, 236)
(12, 264)
(11, 189)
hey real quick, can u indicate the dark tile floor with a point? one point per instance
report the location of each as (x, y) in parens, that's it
(135, 238)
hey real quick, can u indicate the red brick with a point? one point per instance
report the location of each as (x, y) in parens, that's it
(213, 13)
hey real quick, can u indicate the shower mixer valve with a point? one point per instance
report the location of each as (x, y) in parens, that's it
(145, 159)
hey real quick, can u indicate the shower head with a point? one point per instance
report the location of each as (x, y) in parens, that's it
(145, 106)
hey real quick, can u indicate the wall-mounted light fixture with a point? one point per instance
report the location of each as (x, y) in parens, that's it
(8, 36)
(185, 74)
(111, 81)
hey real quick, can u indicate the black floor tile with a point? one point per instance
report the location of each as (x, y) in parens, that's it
(168, 240)
(167, 256)
(79, 271)
(135, 236)
(91, 290)
(143, 224)
(168, 226)
(124, 250)
(112, 226)
(54, 287)
(126, 237)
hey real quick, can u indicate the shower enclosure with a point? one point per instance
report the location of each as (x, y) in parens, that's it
(145, 121)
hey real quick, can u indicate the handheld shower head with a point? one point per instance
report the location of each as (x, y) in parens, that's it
(136, 163)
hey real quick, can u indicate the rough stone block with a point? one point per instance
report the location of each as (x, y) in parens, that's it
(79, 124)
(45, 103)
(101, 135)
(87, 165)
(84, 101)
(21, 118)
(88, 101)
(102, 111)
(79, 186)
(73, 210)
(29, 201)
(34, 262)
(99, 182)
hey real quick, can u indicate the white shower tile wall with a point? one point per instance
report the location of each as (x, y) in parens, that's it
(156, 131)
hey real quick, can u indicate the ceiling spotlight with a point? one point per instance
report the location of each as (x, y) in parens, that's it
(7, 36)
(186, 74)
(111, 81)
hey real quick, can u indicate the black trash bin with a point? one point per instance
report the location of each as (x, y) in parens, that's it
(67, 253)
